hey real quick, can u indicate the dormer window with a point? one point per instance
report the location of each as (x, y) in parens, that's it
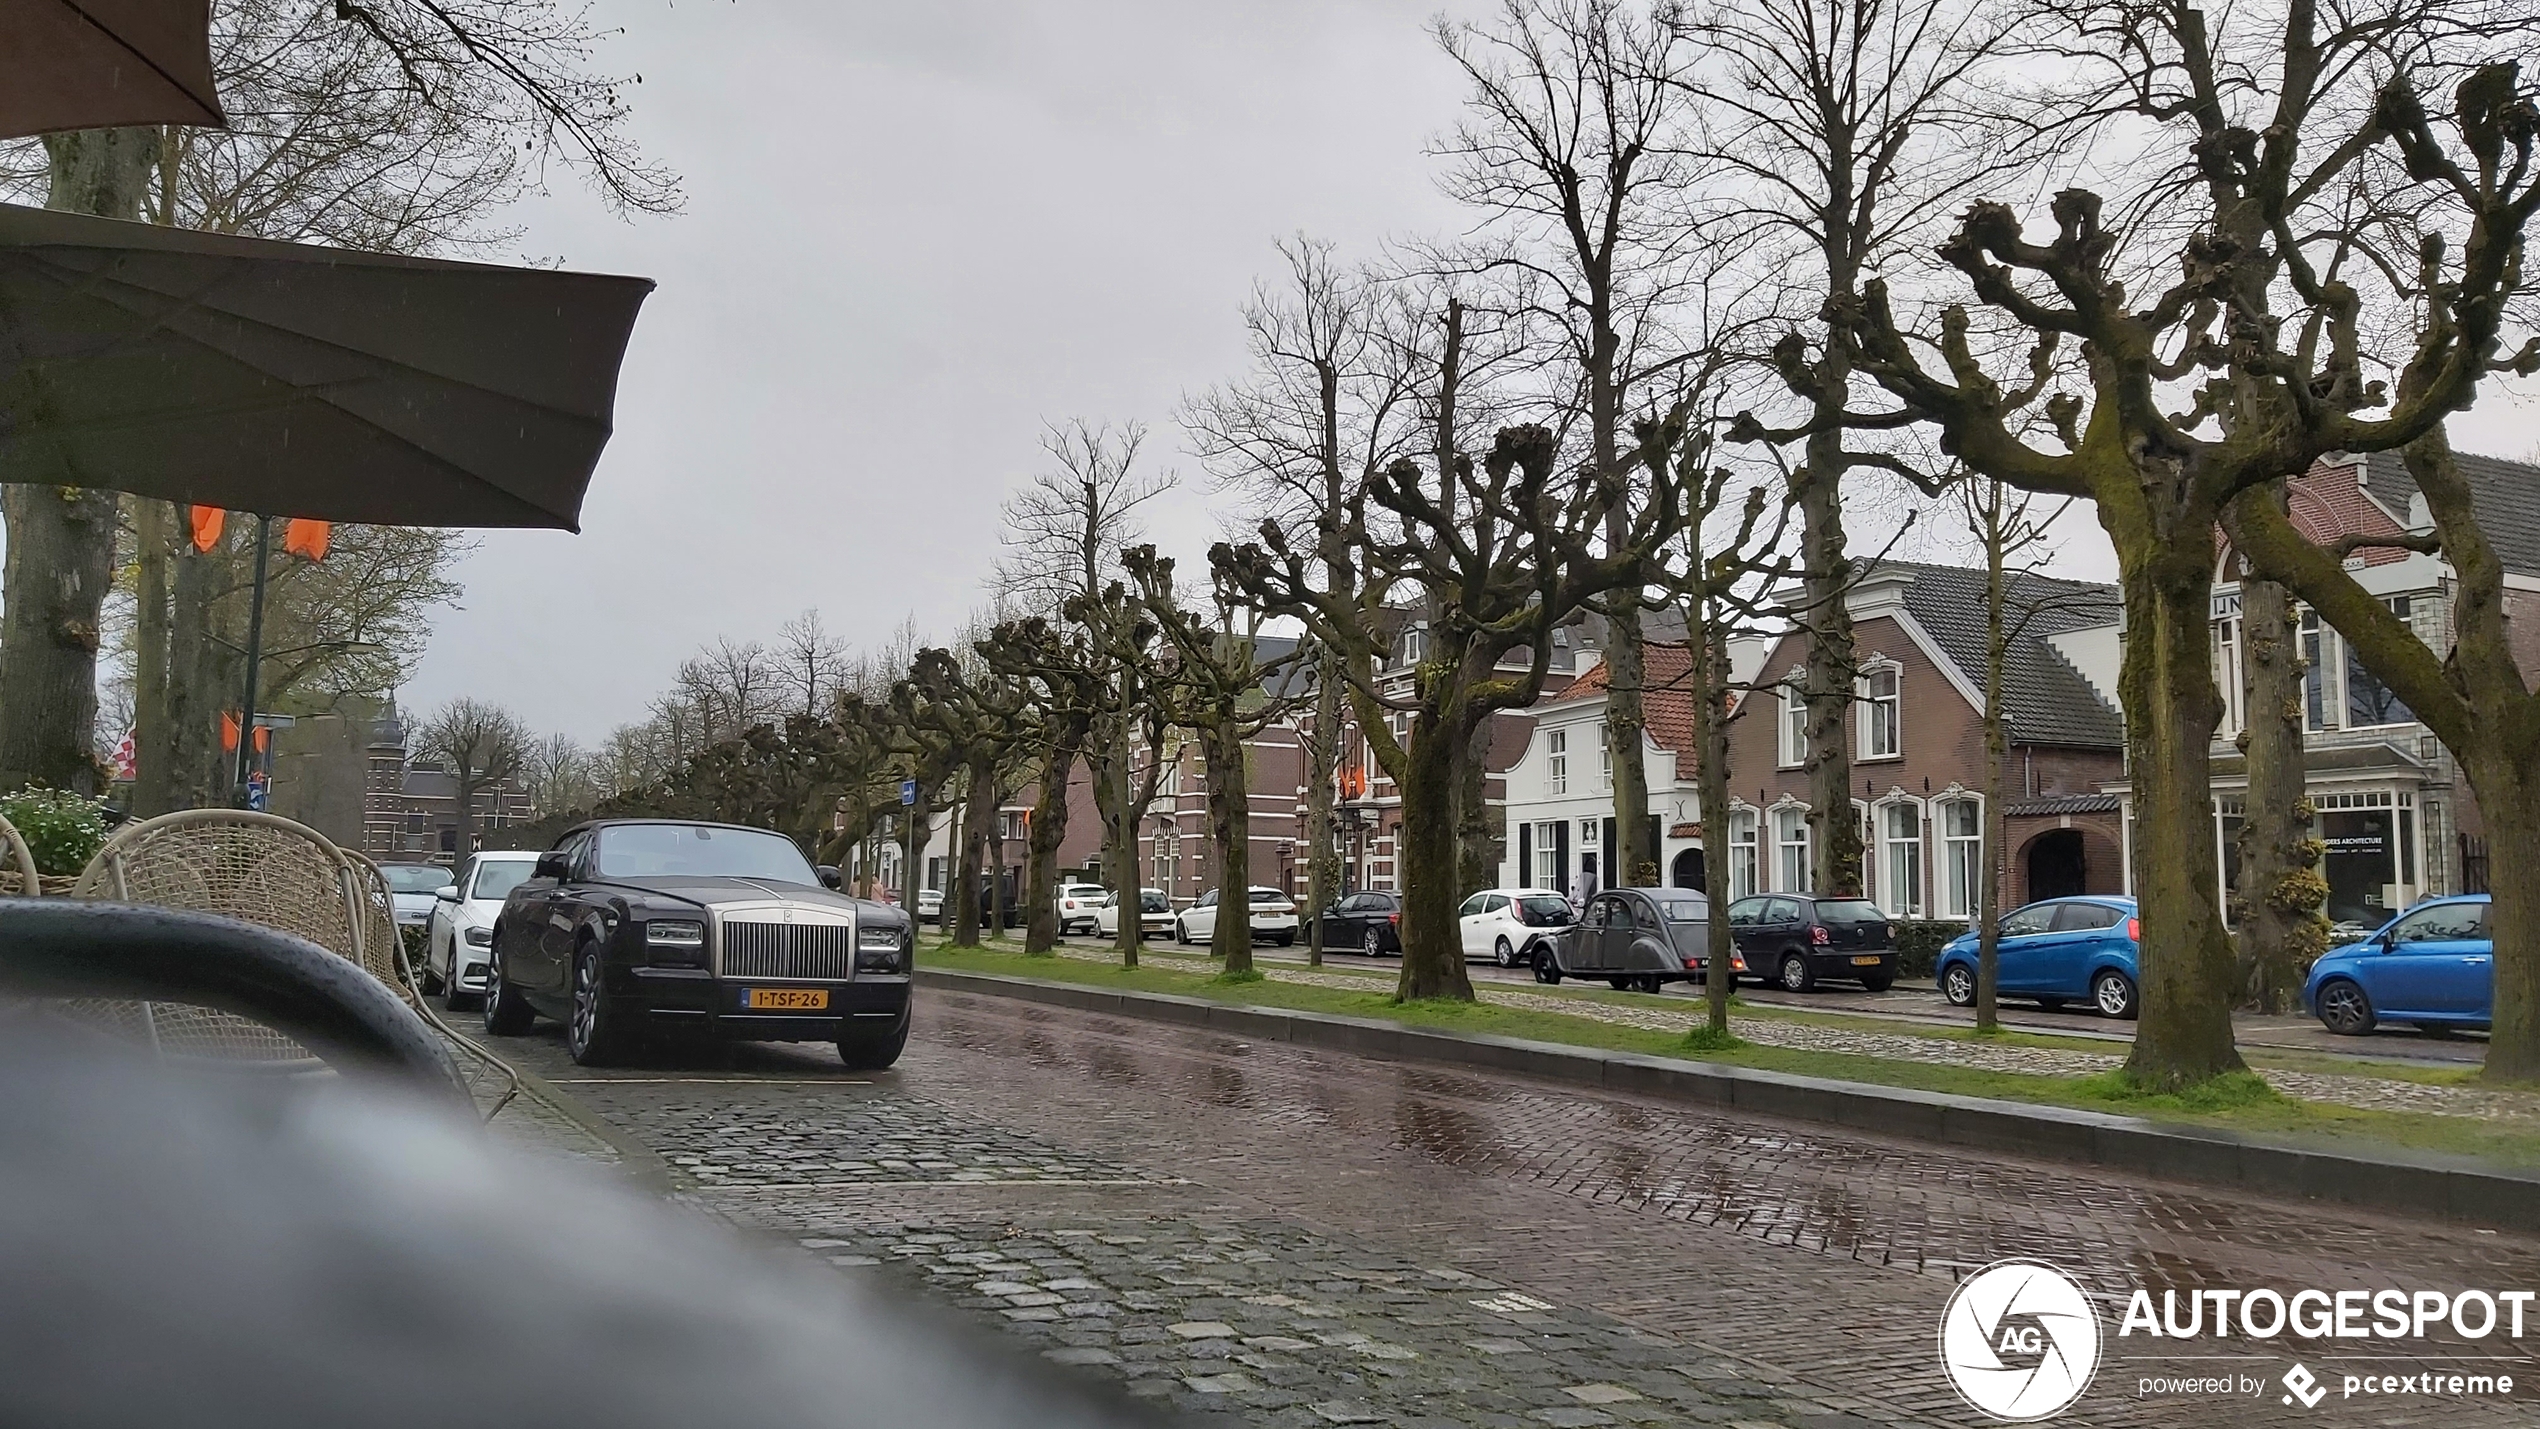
(1413, 641)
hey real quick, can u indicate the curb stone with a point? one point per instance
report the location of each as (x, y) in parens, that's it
(2456, 1187)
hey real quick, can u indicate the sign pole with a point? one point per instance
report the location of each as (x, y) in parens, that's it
(255, 658)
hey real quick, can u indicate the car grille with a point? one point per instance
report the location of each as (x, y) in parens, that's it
(789, 950)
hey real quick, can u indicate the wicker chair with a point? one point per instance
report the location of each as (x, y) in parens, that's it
(254, 867)
(17, 864)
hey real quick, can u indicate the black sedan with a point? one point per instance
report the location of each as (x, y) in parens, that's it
(1369, 922)
(633, 927)
(1639, 938)
(1798, 940)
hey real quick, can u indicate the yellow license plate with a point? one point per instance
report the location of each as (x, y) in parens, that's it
(785, 999)
(1865, 962)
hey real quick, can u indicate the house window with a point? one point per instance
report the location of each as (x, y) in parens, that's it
(1556, 745)
(2227, 673)
(1962, 857)
(1880, 713)
(1168, 860)
(1742, 862)
(1548, 856)
(2369, 702)
(1901, 860)
(1790, 850)
(1413, 641)
(1794, 726)
(2319, 703)
(1604, 757)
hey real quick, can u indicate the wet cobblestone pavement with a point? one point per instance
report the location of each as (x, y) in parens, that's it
(1272, 1235)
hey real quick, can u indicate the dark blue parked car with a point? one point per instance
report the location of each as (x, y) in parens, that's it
(2058, 951)
(2433, 965)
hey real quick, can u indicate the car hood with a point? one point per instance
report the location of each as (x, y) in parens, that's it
(730, 892)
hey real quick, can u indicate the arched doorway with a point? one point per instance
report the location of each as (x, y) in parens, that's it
(1687, 871)
(2056, 866)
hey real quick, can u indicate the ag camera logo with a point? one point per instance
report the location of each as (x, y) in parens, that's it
(2019, 1340)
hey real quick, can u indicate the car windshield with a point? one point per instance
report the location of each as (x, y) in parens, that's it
(1154, 902)
(1684, 910)
(1542, 910)
(500, 876)
(699, 851)
(1848, 910)
(414, 877)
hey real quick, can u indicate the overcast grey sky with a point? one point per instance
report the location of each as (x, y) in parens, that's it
(913, 233)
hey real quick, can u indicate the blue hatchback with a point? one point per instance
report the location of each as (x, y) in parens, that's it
(2057, 951)
(2433, 965)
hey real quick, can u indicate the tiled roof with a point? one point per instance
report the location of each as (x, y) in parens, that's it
(2338, 498)
(2047, 700)
(2504, 494)
(1666, 667)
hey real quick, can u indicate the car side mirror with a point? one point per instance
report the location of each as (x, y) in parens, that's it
(447, 893)
(551, 864)
(829, 876)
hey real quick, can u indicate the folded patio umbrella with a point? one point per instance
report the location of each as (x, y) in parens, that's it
(102, 64)
(293, 380)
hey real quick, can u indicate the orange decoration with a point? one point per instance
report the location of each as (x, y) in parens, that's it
(207, 525)
(307, 537)
(229, 730)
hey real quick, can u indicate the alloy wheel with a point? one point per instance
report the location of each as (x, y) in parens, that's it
(1371, 945)
(586, 1000)
(2113, 994)
(1794, 973)
(1503, 955)
(2344, 1010)
(1958, 985)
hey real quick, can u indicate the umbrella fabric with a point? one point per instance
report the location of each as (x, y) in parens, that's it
(294, 380)
(104, 64)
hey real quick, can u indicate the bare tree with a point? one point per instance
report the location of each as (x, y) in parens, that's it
(2269, 114)
(482, 746)
(811, 664)
(560, 778)
(1576, 147)
(1065, 527)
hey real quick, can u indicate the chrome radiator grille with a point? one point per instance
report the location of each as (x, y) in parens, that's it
(821, 951)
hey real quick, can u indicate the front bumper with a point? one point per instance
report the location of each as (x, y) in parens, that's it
(700, 1004)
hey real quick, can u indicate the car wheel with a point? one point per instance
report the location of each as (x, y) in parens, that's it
(1619, 984)
(1650, 982)
(1797, 976)
(1181, 932)
(1877, 982)
(507, 1013)
(592, 1037)
(871, 1050)
(430, 982)
(2113, 991)
(1958, 985)
(1547, 969)
(1503, 954)
(2344, 1009)
(1371, 945)
(1285, 940)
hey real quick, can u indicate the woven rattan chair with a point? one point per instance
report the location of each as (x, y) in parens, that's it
(257, 868)
(17, 864)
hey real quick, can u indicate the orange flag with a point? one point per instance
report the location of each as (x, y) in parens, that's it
(229, 730)
(207, 523)
(306, 537)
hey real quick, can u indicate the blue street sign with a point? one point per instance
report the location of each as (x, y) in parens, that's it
(256, 785)
(908, 792)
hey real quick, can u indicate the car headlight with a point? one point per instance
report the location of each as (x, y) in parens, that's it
(675, 933)
(881, 949)
(479, 937)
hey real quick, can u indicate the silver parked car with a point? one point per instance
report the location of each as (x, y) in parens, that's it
(1639, 938)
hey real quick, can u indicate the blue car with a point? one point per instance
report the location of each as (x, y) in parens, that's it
(2433, 965)
(2056, 951)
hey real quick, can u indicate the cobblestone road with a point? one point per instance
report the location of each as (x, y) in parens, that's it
(1284, 1236)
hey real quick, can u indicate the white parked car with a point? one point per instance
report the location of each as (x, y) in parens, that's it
(411, 887)
(462, 923)
(1505, 924)
(1080, 907)
(930, 905)
(1155, 915)
(1273, 917)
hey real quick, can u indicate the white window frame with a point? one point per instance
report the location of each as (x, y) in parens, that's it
(2227, 676)
(1793, 729)
(1745, 862)
(1880, 713)
(1604, 757)
(1556, 762)
(1792, 868)
(1962, 858)
(1547, 853)
(1414, 638)
(1901, 890)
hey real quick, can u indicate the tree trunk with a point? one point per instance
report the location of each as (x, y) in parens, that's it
(1424, 847)
(920, 815)
(2167, 682)
(1834, 835)
(1626, 666)
(61, 539)
(154, 772)
(1221, 748)
(1477, 849)
(1711, 783)
(2281, 892)
(1049, 830)
(979, 809)
(1997, 749)
(194, 667)
(2508, 790)
(1322, 773)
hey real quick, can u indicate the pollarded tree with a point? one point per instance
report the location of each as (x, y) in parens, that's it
(1505, 552)
(2272, 111)
(483, 746)
(978, 713)
(1065, 691)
